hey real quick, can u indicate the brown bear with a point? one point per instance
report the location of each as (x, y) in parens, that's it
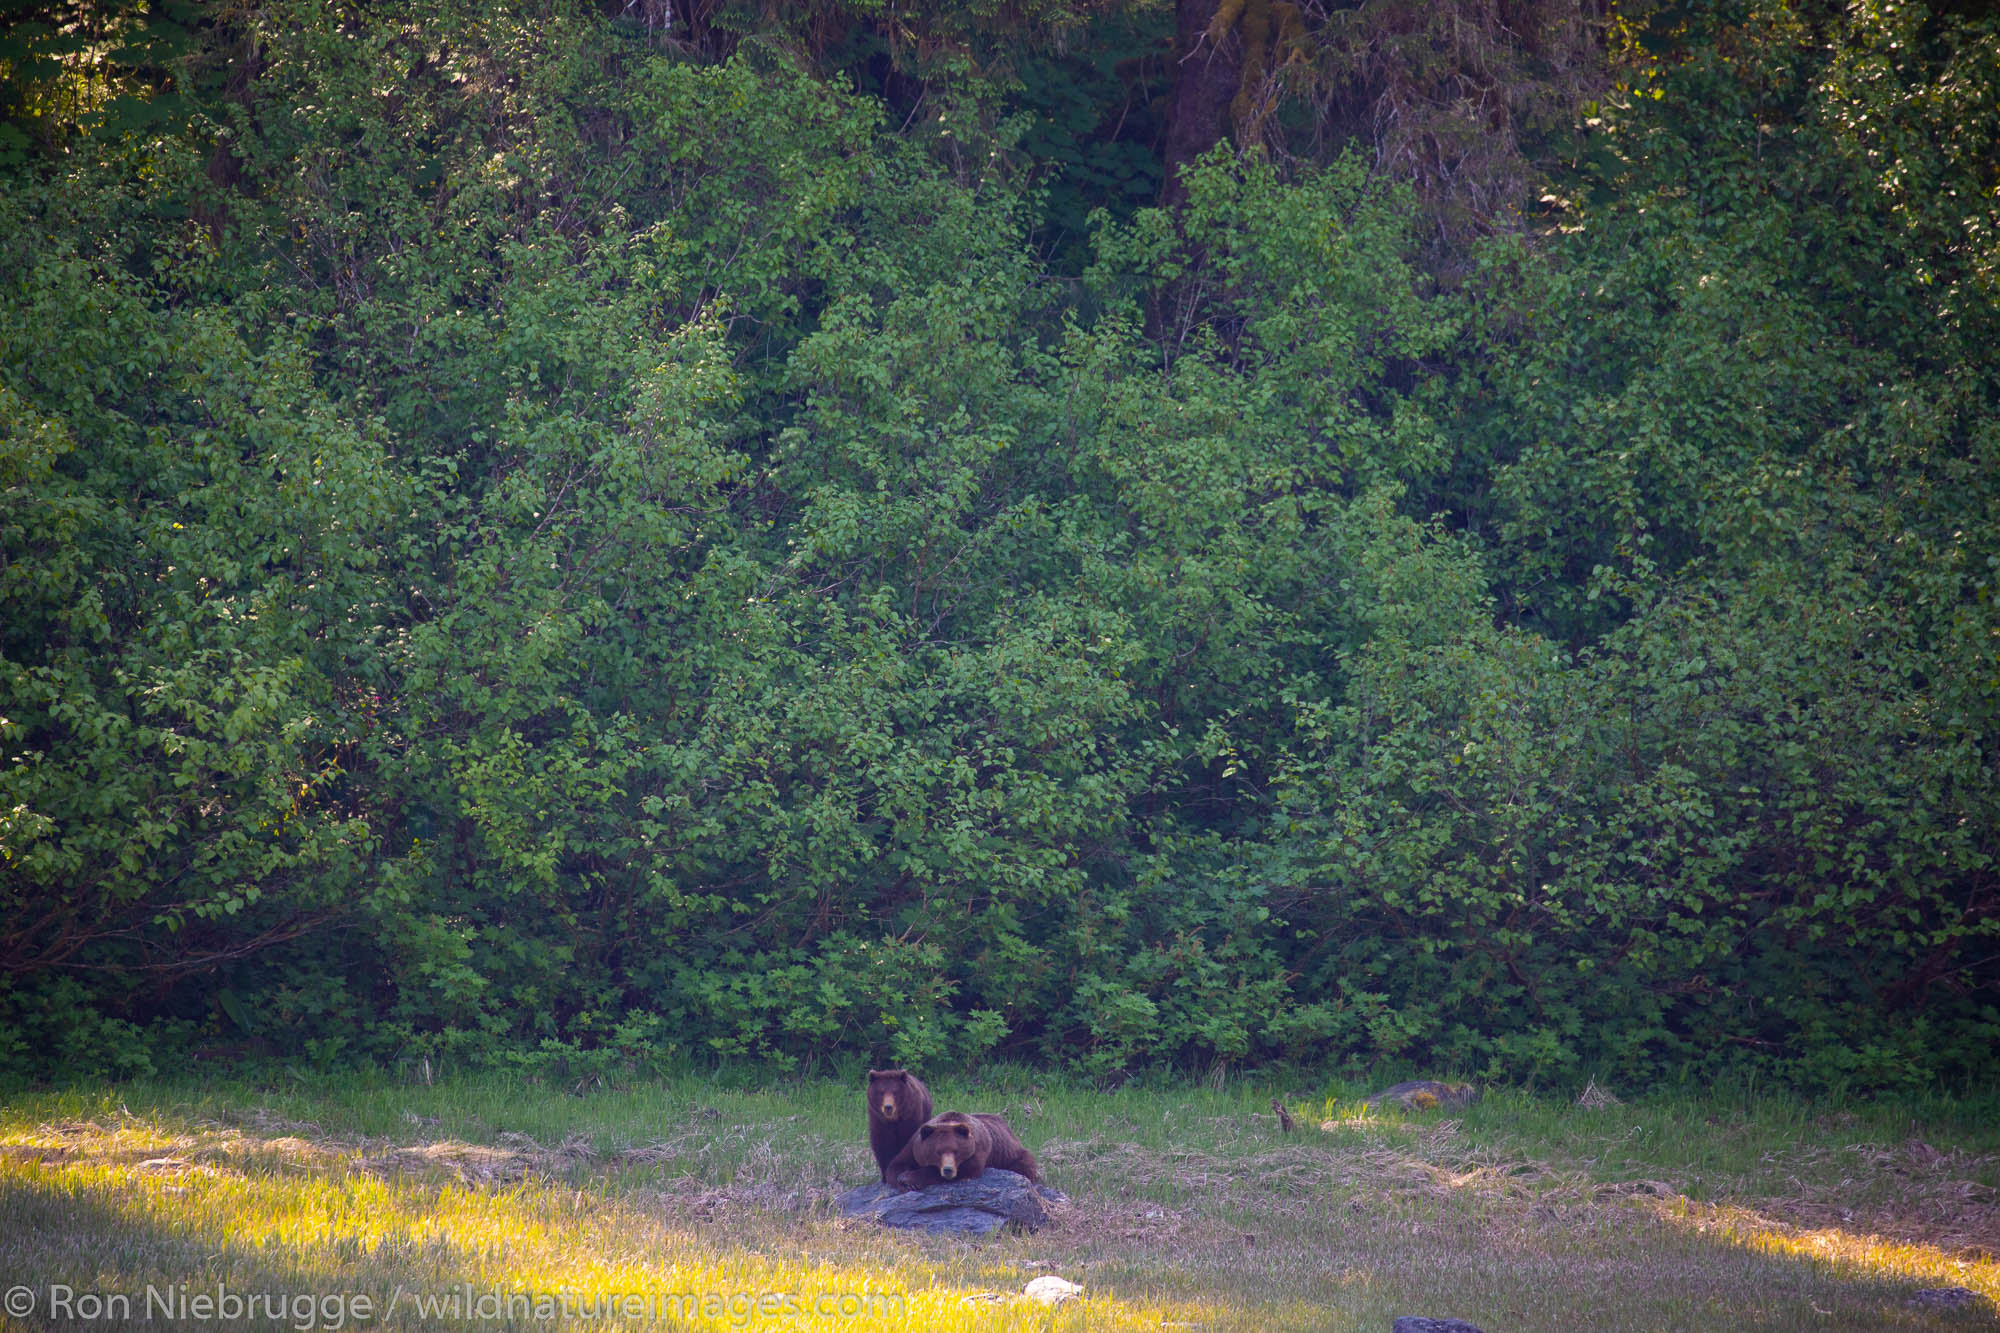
(957, 1146)
(898, 1102)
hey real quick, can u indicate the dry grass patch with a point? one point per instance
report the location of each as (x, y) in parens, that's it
(1913, 1193)
(1373, 1211)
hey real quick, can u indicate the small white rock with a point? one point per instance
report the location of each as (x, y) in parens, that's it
(1051, 1290)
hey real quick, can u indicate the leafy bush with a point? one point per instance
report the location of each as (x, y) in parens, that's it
(526, 539)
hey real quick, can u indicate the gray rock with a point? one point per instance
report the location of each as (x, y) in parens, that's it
(1945, 1298)
(1427, 1094)
(1052, 1290)
(955, 1207)
(1416, 1323)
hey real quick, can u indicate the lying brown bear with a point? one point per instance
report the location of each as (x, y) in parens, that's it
(957, 1146)
(898, 1105)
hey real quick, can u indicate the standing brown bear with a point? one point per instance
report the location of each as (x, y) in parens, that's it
(898, 1103)
(957, 1146)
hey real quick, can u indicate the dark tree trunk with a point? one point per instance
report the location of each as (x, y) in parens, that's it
(1206, 77)
(224, 168)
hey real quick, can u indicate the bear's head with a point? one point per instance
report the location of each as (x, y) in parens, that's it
(889, 1093)
(953, 1143)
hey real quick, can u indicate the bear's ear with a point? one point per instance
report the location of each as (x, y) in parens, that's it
(963, 1130)
(924, 1133)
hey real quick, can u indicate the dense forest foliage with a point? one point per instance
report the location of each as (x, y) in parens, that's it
(1108, 533)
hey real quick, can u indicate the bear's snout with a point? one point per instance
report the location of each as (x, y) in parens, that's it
(889, 1108)
(948, 1165)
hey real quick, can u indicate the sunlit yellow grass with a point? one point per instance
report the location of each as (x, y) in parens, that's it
(1187, 1209)
(334, 1226)
(1833, 1245)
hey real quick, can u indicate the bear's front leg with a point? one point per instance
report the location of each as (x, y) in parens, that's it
(902, 1167)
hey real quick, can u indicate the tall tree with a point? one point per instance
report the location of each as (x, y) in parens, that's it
(1466, 100)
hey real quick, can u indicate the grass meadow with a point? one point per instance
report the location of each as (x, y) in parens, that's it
(698, 1202)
